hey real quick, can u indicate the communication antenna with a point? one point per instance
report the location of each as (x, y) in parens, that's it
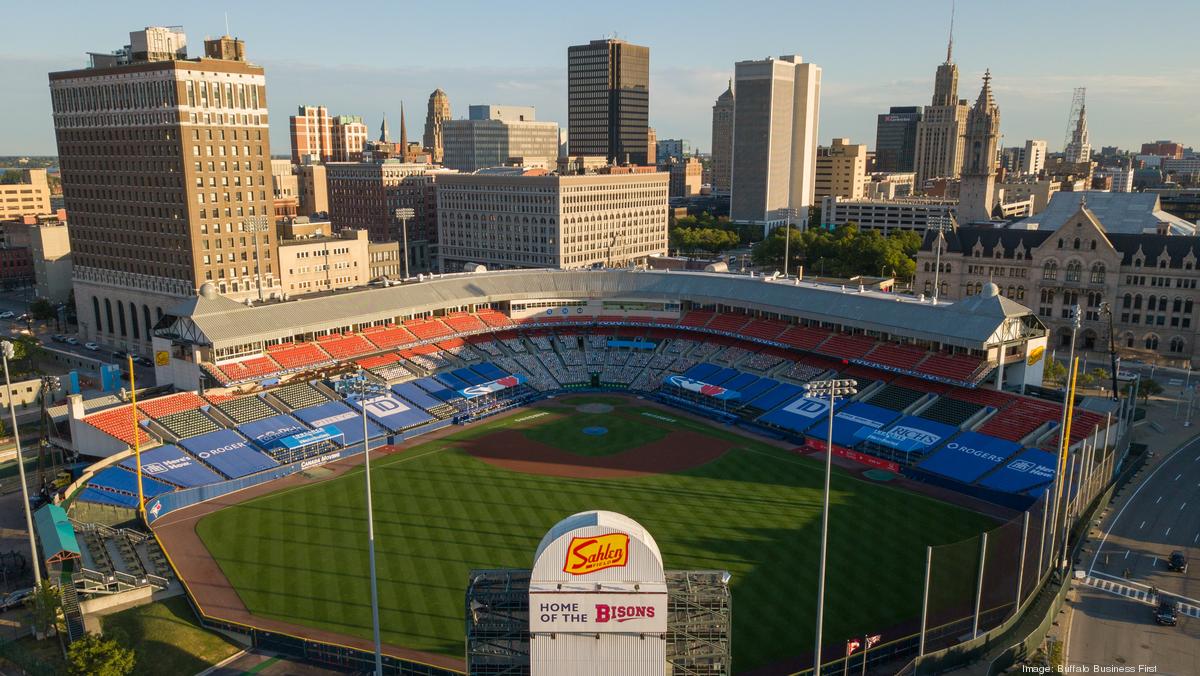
(227, 33)
(950, 44)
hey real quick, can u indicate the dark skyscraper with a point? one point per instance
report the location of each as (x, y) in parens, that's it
(896, 139)
(608, 100)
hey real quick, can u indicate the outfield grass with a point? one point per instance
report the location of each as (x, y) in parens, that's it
(167, 639)
(300, 554)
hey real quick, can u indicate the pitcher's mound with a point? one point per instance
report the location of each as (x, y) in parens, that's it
(594, 408)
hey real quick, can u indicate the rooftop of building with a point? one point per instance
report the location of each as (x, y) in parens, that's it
(210, 318)
(1119, 212)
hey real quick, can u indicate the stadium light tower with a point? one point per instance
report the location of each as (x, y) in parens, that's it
(254, 226)
(362, 387)
(8, 351)
(832, 389)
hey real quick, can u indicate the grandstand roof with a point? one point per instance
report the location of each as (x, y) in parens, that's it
(963, 323)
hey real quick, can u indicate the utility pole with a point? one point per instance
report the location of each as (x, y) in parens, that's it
(1106, 308)
(939, 225)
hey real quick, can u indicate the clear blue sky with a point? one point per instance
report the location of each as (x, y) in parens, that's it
(1139, 61)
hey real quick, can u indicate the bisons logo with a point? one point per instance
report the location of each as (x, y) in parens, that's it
(591, 554)
(607, 613)
(1035, 355)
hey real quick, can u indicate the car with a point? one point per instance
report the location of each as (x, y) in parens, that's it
(1167, 612)
(119, 354)
(15, 599)
(91, 346)
(1177, 562)
(58, 338)
(144, 361)
(72, 340)
(7, 314)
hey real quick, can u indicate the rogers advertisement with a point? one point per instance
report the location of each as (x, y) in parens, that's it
(597, 613)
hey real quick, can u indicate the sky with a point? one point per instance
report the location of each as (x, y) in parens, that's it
(367, 58)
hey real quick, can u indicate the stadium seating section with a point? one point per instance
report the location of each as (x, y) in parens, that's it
(243, 410)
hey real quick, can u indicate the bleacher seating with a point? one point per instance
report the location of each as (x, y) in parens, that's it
(248, 369)
(516, 345)
(186, 424)
(804, 337)
(847, 346)
(457, 347)
(345, 346)
(897, 356)
(427, 329)
(243, 410)
(488, 347)
(461, 322)
(952, 366)
(118, 422)
(766, 329)
(291, 356)
(173, 403)
(895, 397)
(375, 361)
(951, 411)
(1019, 418)
(493, 317)
(696, 318)
(728, 322)
(802, 371)
(385, 337)
(299, 395)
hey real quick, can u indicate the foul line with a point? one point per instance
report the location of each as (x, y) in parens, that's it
(1133, 497)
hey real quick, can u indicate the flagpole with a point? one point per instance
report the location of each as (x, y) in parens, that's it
(866, 649)
(137, 446)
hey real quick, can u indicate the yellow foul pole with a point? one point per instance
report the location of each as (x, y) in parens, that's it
(1065, 437)
(137, 445)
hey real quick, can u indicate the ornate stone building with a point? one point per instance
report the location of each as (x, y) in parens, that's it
(1148, 280)
(977, 189)
(438, 112)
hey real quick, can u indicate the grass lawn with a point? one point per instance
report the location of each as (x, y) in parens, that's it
(300, 554)
(167, 639)
(567, 433)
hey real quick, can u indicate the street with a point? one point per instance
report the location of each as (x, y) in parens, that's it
(1112, 622)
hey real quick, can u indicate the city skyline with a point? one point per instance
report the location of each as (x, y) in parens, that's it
(689, 67)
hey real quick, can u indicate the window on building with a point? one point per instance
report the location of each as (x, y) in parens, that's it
(1050, 270)
(1098, 273)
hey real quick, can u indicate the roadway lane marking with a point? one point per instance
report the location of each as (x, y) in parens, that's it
(1127, 551)
(1142, 526)
(1158, 500)
(1164, 535)
(1154, 563)
(1187, 606)
(1196, 538)
(1177, 477)
(1182, 506)
(1133, 496)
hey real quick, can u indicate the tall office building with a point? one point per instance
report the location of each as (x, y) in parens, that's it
(775, 140)
(977, 190)
(29, 195)
(494, 134)
(349, 134)
(165, 161)
(608, 100)
(896, 139)
(722, 141)
(841, 170)
(1079, 150)
(939, 149)
(668, 149)
(1032, 158)
(312, 134)
(436, 114)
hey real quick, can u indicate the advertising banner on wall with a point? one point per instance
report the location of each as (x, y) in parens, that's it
(597, 613)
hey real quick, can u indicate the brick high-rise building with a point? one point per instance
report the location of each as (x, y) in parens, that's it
(1163, 149)
(365, 195)
(349, 134)
(165, 162)
(438, 112)
(608, 101)
(311, 134)
(722, 141)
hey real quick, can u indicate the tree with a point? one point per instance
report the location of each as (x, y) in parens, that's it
(46, 604)
(42, 308)
(95, 655)
(1055, 372)
(11, 176)
(1149, 388)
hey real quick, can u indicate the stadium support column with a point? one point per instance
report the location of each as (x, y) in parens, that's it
(7, 351)
(1042, 534)
(925, 601)
(1064, 441)
(979, 584)
(137, 442)
(834, 389)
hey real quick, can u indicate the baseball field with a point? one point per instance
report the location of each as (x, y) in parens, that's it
(483, 496)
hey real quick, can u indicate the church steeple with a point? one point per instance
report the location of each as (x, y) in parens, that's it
(383, 130)
(403, 135)
(977, 187)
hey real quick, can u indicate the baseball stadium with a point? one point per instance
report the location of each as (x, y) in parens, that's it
(497, 403)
